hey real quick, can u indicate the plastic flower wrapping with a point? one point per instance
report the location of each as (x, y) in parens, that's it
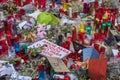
(59, 40)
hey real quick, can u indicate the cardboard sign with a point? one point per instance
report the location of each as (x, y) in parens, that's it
(113, 32)
(97, 69)
(58, 65)
(90, 53)
(50, 49)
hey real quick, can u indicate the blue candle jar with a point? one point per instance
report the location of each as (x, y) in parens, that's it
(16, 47)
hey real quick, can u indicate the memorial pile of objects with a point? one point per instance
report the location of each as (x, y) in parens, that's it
(59, 39)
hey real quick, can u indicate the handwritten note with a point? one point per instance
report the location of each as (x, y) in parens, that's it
(50, 49)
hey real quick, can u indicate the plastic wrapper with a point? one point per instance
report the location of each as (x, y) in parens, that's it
(113, 69)
(60, 22)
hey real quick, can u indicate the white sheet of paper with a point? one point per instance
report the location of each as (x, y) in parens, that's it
(2, 61)
(115, 52)
(51, 49)
(28, 7)
(6, 70)
(25, 78)
(20, 25)
(34, 14)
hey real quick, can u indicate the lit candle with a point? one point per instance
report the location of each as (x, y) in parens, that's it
(41, 73)
(113, 19)
(86, 8)
(67, 78)
(118, 27)
(74, 34)
(65, 6)
(82, 27)
(119, 54)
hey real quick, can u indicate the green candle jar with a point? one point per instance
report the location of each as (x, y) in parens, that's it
(89, 29)
(24, 47)
(103, 26)
(109, 24)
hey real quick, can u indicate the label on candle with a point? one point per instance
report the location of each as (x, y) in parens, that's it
(70, 12)
(115, 52)
(88, 1)
(82, 27)
(1, 16)
(50, 49)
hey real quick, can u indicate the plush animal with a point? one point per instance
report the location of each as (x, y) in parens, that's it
(47, 18)
(30, 37)
(41, 31)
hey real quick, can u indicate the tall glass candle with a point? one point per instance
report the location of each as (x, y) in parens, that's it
(82, 27)
(103, 26)
(89, 29)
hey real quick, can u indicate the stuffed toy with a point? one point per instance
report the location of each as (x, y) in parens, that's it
(41, 31)
(47, 18)
(30, 37)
